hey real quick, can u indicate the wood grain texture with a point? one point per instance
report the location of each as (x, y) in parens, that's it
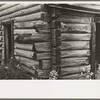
(75, 37)
(39, 24)
(33, 17)
(74, 77)
(72, 70)
(26, 11)
(35, 37)
(64, 54)
(67, 62)
(16, 8)
(75, 27)
(23, 46)
(24, 53)
(27, 62)
(65, 45)
(73, 19)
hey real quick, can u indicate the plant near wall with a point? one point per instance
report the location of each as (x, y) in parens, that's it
(86, 73)
(14, 69)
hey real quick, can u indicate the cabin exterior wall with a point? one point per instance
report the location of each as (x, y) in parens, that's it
(34, 34)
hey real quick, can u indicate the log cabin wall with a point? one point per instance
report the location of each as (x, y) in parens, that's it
(32, 38)
(31, 32)
(75, 43)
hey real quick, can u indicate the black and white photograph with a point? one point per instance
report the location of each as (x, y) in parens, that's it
(49, 41)
(50, 50)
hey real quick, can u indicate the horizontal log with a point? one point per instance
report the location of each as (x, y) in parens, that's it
(68, 45)
(33, 38)
(33, 9)
(43, 74)
(66, 62)
(41, 56)
(42, 47)
(72, 70)
(75, 27)
(64, 54)
(24, 31)
(75, 53)
(16, 8)
(28, 62)
(73, 37)
(23, 46)
(33, 17)
(24, 53)
(7, 6)
(74, 76)
(72, 45)
(39, 24)
(73, 19)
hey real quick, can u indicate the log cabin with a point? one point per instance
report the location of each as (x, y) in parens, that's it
(59, 40)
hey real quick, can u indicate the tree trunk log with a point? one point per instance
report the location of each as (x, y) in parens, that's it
(24, 53)
(24, 31)
(75, 27)
(75, 37)
(74, 76)
(39, 24)
(72, 70)
(73, 19)
(24, 46)
(7, 6)
(42, 47)
(16, 8)
(72, 45)
(27, 11)
(33, 17)
(67, 62)
(27, 62)
(33, 38)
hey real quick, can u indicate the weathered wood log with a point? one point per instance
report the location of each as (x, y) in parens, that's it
(43, 74)
(42, 47)
(16, 8)
(72, 70)
(24, 53)
(74, 76)
(68, 36)
(68, 45)
(75, 53)
(73, 19)
(72, 45)
(27, 62)
(41, 56)
(23, 46)
(66, 62)
(33, 38)
(31, 10)
(39, 24)
(75, 27)
(64, 54)
(24, 31)
(7, 6)
(33, 17)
